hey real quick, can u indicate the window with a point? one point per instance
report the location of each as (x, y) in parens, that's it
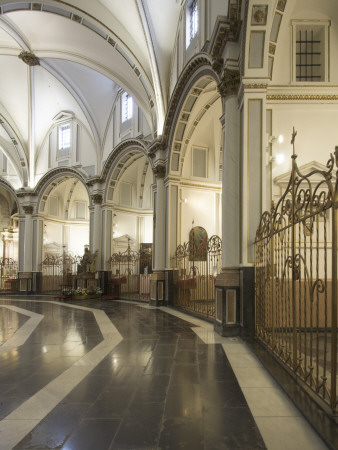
(126, 107)
(310, 54)
(64, 136)
(192, 21)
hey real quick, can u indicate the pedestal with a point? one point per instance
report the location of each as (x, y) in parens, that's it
(157, 288)
(227, 289)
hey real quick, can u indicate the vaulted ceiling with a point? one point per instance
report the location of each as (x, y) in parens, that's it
(86, 51)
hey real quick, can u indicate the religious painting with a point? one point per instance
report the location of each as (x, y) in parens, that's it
(198, 244)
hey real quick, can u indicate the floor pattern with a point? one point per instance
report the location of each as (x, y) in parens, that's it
(119, 375)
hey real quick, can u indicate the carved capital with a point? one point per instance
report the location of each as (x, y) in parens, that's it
(28, 209)
(229, 84)
(217, 64)
(159, 171)
(97, 199)
(281, 5)
(29, 58)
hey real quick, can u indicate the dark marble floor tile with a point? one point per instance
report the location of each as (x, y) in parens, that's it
(127, 375)
(165, 350)
(231, 428)
(140, 427)
(216, 372)
(186, 357)
(29, 386)
(87, 390)
(93, 434)
(9, 404)
(222, 394)
(112, 403)
(182, 434)
(159, 366)
(184, 373)
(152, 388)
(184, 401)
(53, 431)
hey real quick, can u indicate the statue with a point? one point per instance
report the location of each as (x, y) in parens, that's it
(88, 262)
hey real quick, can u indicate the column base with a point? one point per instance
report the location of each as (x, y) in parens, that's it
(157, 279)
(227, 290)
(235, 302)
(25, 283)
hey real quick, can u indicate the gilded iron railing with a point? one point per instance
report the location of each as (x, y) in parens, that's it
(8, 273)
(296, 278)
(131, 271)
(58, 270)
(194, 277)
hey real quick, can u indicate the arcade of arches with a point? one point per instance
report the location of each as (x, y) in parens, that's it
(137, 165)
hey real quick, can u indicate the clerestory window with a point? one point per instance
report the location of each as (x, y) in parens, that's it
(127, 107)
(64, 136)
(191, 21)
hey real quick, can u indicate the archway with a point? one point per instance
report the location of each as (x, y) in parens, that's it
(129, 195)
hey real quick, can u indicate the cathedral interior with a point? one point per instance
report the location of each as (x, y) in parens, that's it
(169, 224)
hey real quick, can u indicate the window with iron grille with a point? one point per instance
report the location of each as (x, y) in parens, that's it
(310, 44)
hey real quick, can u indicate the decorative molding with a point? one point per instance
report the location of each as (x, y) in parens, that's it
(281, 5)
(159, 171)
(312, 97)
(229, 83)
(28, 209)
(259, 15)
(255, 86)
(97, 199)
(29, 58)
(272, 48)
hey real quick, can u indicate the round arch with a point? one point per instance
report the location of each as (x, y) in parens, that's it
(51, 179)
(116, 161)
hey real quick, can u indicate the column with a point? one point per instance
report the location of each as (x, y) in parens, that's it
(25, 250)
(160, 217)
(227, 284)
(157, 277)
(96, 229)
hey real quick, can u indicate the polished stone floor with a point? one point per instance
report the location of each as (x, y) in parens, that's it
(120, 375)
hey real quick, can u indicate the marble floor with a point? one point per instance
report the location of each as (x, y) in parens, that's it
(121, 375)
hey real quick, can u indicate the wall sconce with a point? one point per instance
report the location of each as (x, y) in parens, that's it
(279, 158)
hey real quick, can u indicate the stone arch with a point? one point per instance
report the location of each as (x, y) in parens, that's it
(199, 70)
(116, 161)
(51, 180)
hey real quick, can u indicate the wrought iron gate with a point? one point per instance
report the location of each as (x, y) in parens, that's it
(131, 273)
(296, 279)
(195, 274)
(57, 271)
(8, 274)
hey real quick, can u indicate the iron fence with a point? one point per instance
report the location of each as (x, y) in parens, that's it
(195, 274)
(296, 279)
